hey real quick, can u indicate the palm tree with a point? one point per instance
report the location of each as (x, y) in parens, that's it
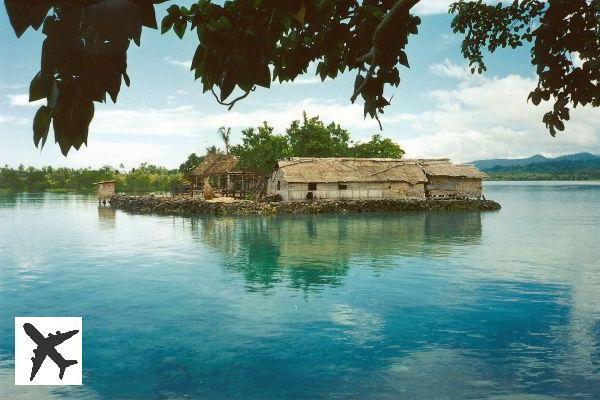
(225, 134)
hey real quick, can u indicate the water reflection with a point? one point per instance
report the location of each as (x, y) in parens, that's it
(106, 217)
(8, 199)
(410, 306)
(310, 251)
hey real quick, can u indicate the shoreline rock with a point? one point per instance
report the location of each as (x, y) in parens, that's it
(183, 205)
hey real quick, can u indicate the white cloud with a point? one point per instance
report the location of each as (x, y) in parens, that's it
(189, 121)
(22, 100)
(103, 152)
(305, 80)
(450, 70)
(489, 117)
(11, 86)
(186, 64)
(12, 119)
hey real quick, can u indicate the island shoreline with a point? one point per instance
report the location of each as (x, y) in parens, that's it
(185, 205)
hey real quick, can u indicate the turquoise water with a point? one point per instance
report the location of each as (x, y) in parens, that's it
(400, 306)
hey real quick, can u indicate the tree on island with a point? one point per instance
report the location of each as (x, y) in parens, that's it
(377, 147)
(192, 162)
(313, 139)
(261, 147)
(244, 44)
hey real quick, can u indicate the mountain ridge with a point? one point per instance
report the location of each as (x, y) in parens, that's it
(489, 164)
(571, 167)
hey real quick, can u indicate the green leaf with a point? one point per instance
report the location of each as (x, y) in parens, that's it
(148, 15)
(41, 125)
(403, 59)
(22, 14)
(199, 56)
(223, 23)
(39, 88)
(166, 24)
(227, 86)
(53, 99)
(179, 28)
(301, 14)
(264, 77)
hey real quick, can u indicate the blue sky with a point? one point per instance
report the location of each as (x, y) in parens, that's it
(439, 110)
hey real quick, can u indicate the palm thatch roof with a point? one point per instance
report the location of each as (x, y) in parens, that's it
(215, 164)
(446, 168)
(329, 170)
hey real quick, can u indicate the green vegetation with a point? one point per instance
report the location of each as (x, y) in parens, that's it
(552, 170)
(261, 147)
(144, 179)
(192, 162)
(84, 54)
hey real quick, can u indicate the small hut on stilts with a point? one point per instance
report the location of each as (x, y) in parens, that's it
(221, 173)
(106, 190)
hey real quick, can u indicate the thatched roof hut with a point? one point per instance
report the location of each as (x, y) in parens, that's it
(215, 164)
(222, 174)
(444, 167)
(448, 180)
(301, 178)
(304, 170)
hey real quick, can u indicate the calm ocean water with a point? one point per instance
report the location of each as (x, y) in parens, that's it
(399, 306)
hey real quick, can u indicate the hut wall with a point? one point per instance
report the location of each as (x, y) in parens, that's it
(106, 190)
(276, 185)
(445, 186)
(352, 191)
(469, 187)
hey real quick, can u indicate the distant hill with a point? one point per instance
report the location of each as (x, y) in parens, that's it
(580, 166)
(508, 162)
(538, 158)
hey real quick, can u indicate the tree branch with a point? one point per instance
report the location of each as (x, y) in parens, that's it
(232, 103)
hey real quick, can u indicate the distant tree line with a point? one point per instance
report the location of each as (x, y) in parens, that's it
(552, 170)
(143, 179)
(261, 147)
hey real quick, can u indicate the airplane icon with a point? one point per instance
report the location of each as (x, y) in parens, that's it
(46, 347)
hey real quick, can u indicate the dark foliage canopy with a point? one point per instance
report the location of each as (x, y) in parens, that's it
(84, 55)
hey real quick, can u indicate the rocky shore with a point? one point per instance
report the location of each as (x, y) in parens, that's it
(184, 205)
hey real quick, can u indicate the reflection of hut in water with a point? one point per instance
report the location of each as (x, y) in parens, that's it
(312, 251)
(106, 190)
(453, 227)
(107, 216)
